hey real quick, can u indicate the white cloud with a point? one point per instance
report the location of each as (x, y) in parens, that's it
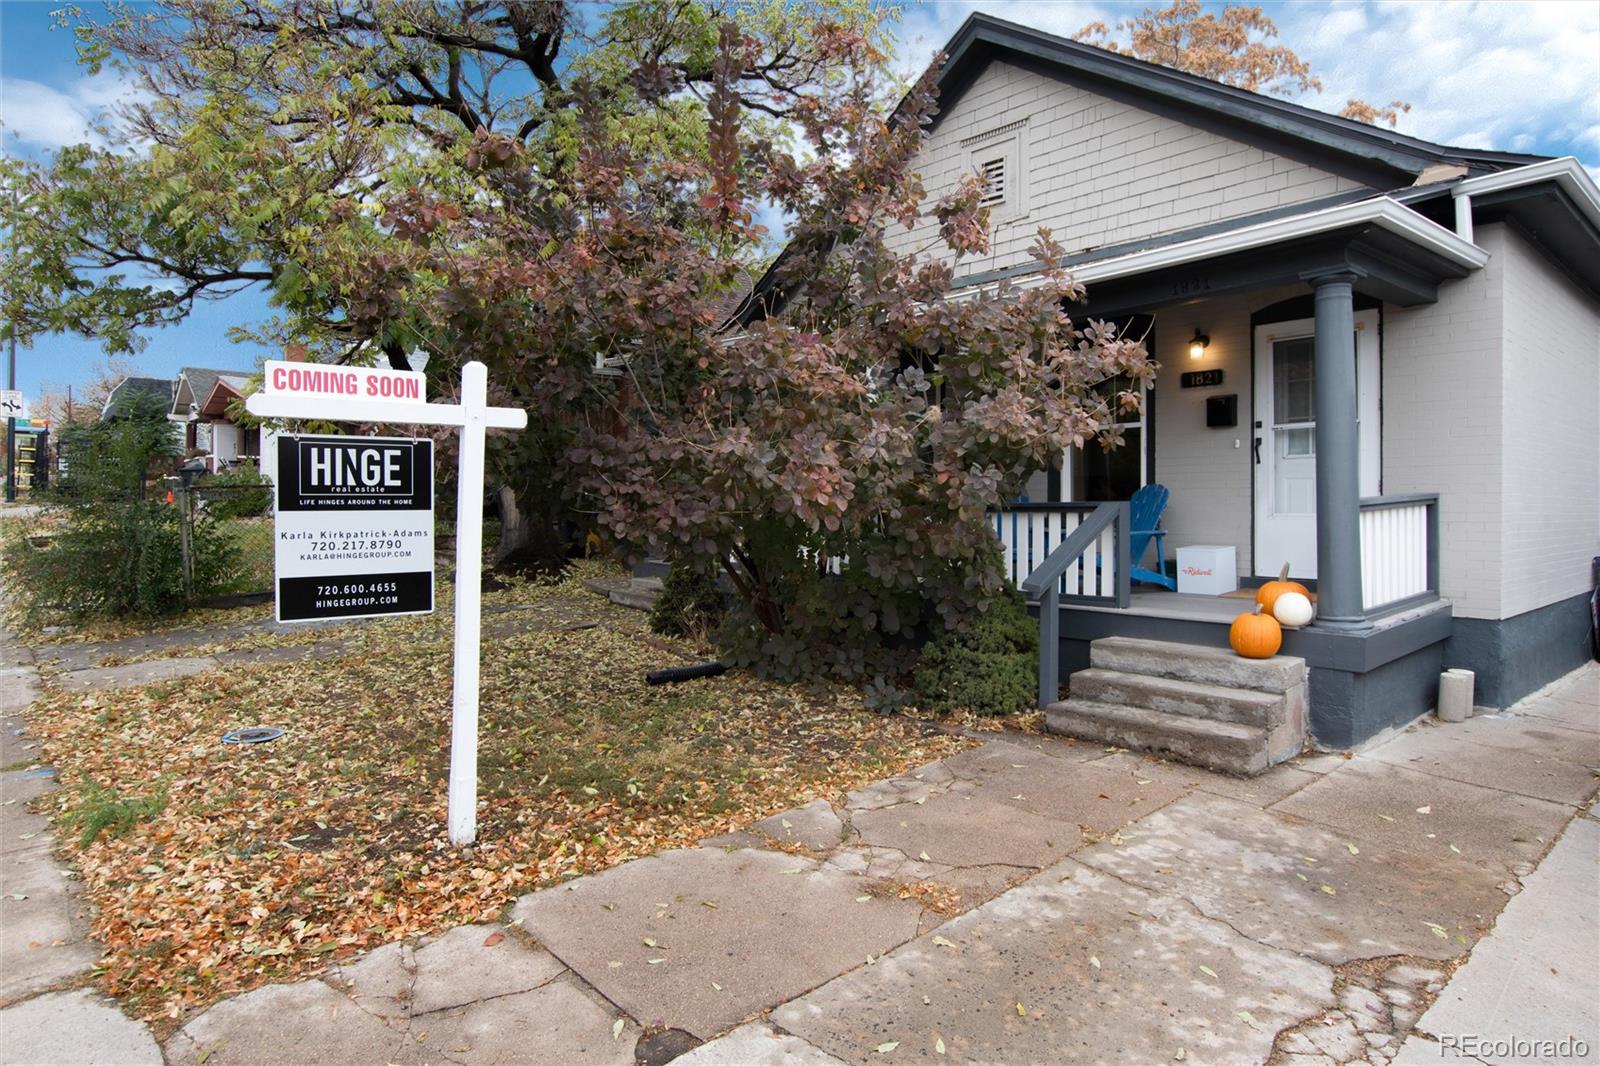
(38, 117)
(1516, 76)
(1513, 76)
(927, 27)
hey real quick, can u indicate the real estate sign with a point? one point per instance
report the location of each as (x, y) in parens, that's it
(354, 533)
(346, 496)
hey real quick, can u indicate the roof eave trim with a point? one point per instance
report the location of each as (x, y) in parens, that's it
(1380, 211)
(1566, 172)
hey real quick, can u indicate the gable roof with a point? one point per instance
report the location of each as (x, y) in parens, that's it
(226, 388)
(194, 385)
(1382, 159)
(123, 393)
(983, 39)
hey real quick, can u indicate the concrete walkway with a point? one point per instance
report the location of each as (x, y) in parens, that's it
(1033, 901)
(46, 1015)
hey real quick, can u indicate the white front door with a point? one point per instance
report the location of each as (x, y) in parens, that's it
(1285, 439)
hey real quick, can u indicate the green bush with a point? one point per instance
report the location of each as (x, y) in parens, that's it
(990, 667)
(114, 558)
(113, 548)
(690, 603)
(246, 494)
(115, 459)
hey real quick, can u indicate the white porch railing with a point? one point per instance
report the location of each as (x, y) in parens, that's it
(1094, 551)
(1399, 551)
(1029, 532)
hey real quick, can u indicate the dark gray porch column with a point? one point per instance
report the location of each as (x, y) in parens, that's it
(1338, 457)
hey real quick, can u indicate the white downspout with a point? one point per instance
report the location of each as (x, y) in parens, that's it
(1464, 216)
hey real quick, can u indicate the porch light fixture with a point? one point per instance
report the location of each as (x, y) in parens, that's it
(1198, 344)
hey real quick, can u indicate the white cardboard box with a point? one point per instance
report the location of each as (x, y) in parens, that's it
(1208, 569)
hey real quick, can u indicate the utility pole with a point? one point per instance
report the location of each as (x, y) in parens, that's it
(11, 428)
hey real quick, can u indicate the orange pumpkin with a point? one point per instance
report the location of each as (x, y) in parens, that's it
(1267, 595)
(1256, 635)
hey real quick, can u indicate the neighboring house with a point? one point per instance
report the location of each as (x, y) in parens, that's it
(200, 401)
(125, 393)
(1400, 347)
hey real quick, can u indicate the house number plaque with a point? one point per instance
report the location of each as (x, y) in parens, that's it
(1200, 379)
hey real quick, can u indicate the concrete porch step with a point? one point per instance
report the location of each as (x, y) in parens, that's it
(1196, 704)
(640, 593)
(1196, 663)
(1174, 696)
(1228, 747)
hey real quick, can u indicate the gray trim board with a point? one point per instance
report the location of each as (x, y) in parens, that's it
(1548, 219)
(1210, 229)
(1360, 651)
(1513, 657)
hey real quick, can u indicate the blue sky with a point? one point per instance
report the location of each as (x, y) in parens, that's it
(1521, 76)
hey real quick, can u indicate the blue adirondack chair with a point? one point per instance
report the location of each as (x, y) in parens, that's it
(1144, 518)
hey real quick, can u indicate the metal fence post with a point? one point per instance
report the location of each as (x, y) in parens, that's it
(185, 537)
(1050, 643)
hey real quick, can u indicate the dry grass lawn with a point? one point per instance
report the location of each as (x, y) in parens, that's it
(217, 868)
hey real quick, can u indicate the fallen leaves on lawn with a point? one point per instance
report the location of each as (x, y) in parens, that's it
(270, 861)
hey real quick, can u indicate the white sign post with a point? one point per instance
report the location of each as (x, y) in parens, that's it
(346, 394)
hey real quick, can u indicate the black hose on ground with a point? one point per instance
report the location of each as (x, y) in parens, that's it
(674, 674)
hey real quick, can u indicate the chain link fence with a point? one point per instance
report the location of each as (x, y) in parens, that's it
(228, 526)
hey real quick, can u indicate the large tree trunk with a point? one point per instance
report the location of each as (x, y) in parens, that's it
(514, 534)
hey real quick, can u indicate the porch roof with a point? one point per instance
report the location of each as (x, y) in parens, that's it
(224, 390)
(1400, 254)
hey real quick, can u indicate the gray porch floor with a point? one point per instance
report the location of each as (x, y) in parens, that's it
(1185, 606)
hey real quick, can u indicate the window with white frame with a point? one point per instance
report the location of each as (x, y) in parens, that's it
(1096, 473)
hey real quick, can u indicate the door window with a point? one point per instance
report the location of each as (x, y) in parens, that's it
(1294, 432)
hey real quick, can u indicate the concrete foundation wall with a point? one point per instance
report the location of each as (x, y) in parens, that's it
(1519, 655)
(1348, 708)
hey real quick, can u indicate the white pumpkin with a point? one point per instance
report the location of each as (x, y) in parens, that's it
(1292, 610)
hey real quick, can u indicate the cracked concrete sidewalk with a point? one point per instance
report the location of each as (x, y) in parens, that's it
(1033, 900)
(47, 1015)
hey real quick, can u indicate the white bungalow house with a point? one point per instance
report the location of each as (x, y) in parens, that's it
(200, 400)
(1380, 363)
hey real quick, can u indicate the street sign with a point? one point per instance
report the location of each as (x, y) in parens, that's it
(12, 405)
(325, 399)
(354, 531)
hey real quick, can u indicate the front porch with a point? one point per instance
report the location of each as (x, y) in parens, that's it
(1285, 463)
(1362, 681)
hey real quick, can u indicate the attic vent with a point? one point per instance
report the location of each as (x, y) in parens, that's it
(993, 172)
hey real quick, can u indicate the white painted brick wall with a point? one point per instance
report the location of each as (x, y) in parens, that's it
(1442, 428)
(1551, 376)
(1101, 172)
